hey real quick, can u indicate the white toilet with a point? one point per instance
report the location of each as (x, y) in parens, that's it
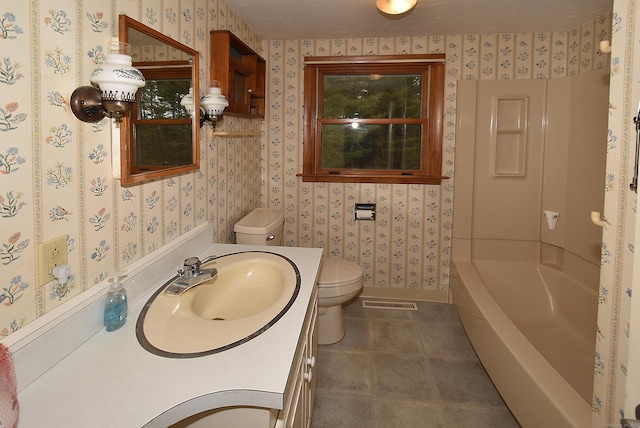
(262, 226)
(338, 281)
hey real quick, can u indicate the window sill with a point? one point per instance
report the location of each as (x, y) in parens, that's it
(391, 179)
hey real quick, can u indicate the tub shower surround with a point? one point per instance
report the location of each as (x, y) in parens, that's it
(527, 290)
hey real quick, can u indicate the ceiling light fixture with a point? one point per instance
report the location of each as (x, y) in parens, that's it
(395, 7)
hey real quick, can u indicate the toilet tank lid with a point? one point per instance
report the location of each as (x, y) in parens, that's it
(335, 270)
(259, 221)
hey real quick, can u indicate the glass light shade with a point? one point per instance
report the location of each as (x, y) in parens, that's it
(213, 102)
(117, 79)
(187, 102)
(395, 7)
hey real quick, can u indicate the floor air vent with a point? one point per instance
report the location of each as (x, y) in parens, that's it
(402, 306)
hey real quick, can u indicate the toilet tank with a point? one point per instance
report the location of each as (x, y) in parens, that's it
(262, 226)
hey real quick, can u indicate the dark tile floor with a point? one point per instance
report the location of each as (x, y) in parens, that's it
(405, 369)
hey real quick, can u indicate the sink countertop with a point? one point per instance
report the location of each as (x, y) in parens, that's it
(111, 381)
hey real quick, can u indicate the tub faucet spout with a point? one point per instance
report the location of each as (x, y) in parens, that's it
(191, 275)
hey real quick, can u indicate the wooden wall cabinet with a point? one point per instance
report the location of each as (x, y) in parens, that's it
(241, 73)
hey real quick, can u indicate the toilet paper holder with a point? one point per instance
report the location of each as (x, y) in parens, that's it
(365, 211)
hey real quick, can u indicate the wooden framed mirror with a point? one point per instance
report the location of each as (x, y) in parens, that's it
(159, 139)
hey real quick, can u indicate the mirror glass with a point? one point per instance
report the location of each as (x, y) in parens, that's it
(158, 138)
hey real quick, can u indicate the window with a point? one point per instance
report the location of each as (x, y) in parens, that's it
(373, 119)
(158, 116)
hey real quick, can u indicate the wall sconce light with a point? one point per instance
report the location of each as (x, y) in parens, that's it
(395, 7)
(187, 102)
(212, 104)
(115, 83)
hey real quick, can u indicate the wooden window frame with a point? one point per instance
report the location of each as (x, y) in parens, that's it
(431, 117)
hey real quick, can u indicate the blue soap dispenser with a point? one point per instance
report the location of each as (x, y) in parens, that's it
(115, 308)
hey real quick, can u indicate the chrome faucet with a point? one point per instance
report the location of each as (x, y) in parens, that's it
(191, 275)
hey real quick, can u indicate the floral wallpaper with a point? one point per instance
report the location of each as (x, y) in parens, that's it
(616, 392)
(56, 172)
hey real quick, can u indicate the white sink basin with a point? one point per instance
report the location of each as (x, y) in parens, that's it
(251, 291)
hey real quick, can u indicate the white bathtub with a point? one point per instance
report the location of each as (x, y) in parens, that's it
(533, 328)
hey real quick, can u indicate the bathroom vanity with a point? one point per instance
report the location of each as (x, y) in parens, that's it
(110, 380)
(299, 394)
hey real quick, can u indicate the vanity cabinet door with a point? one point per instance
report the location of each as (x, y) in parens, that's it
(298, 410)
(302, 391)
(310, 370)
(293, 415)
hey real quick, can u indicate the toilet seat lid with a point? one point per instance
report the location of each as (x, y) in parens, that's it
(335, 271)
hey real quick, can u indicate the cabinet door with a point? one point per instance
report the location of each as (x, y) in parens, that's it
(311, 369)
(240, 83)
(241, 73)
(297, 415)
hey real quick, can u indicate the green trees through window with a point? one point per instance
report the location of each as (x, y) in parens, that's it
(160, 117)
(364, 145)
(373, 119)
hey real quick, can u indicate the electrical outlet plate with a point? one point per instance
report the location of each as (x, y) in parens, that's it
(51, 254)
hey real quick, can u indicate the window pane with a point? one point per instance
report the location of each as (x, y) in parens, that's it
(361, 146)
(371, 96)
(160, 99)
(175, 150)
